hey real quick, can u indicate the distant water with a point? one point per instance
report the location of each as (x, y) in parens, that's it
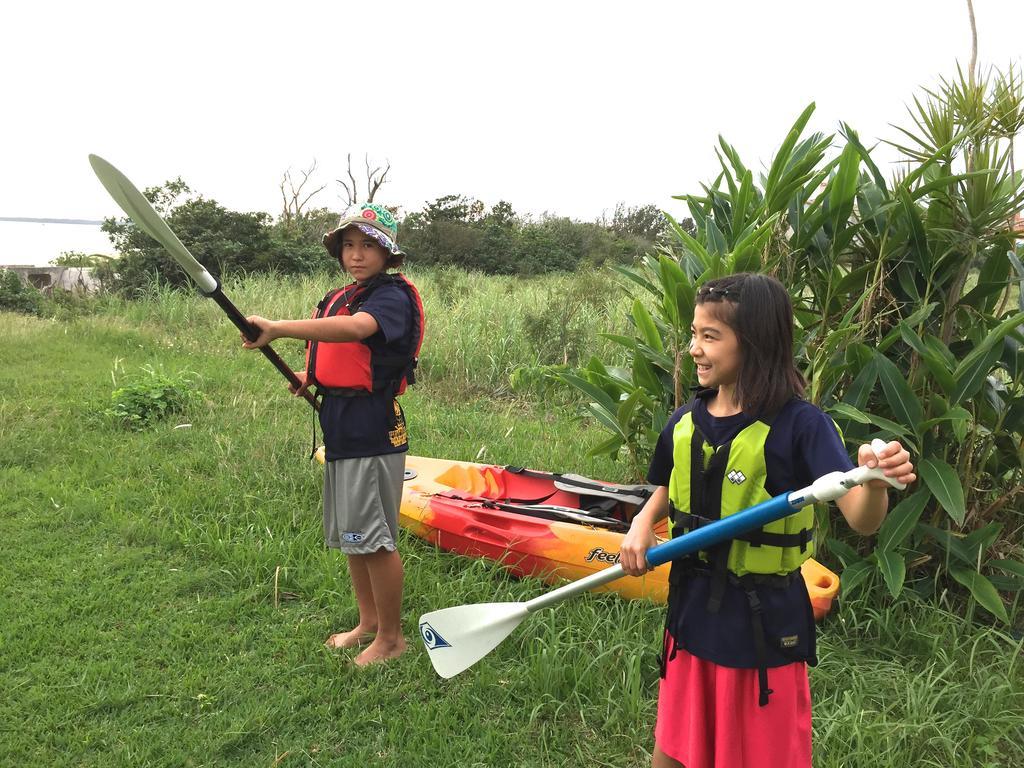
(34, 244)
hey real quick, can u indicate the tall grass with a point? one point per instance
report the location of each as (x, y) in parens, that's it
(480, 329)
(166, 592)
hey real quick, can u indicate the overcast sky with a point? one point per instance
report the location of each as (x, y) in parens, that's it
(567, 107)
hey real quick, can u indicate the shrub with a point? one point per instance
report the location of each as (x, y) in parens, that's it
(150, 398)
(16, 296)
(909, 324)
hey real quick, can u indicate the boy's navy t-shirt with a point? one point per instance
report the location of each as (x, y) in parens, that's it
(802, 445)
(374, 424)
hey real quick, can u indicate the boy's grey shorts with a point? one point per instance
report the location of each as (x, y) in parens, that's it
(361, 501)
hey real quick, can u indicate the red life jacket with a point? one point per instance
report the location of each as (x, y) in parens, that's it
(346, 368)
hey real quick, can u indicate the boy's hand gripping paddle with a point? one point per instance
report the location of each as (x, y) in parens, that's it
(456, 638)
(140, 211)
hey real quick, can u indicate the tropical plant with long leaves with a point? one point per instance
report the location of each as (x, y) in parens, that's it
(907, 295)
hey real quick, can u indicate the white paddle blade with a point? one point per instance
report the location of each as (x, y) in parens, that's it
(139, 210)
(457, 638)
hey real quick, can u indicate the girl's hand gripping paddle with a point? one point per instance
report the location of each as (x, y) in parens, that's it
(140, 211)
(456, 638)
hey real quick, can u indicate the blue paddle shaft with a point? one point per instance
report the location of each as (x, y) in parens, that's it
(702, 538)
(722, 530)
(828, 487)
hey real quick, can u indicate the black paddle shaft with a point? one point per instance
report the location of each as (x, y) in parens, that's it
(252, 333)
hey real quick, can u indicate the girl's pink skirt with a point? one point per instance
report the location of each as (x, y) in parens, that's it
(708, 716)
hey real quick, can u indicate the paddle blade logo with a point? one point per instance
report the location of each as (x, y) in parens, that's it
(431, 638)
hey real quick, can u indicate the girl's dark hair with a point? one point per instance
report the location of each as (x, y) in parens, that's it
(760, 313)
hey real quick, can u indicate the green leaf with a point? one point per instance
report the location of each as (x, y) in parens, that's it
(918, 239)
(893, 568)
(596, 366)
(901, 398)
(854, 574)
(980, 540)
(645, 325)
(626, 341)
(634, 276)
(852, 138)
(689, 243)
(940, 350)
(982, 590)
(627, 408)
(785, 153)
(608, 419)
(1006, 583)
(910, 338)
(940, 370)
(717, 245)
(982, 349)
(937, 364)
(1008, 566)
(845, 410)
(685, 301)
(902, 520)
(942, 481)
(644, 375)
(843, 551)
(609, 447)
(921, 314)
(1018, 267)
(891, 428)
(844, 185)
(950, 543)
(742, 202)
(591, 390)
(860, 389)
(957, 415)
(970, 378)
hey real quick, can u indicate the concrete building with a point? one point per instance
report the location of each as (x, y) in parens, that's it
(45, 279)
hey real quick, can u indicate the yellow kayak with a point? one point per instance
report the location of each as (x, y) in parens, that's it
(551, 526)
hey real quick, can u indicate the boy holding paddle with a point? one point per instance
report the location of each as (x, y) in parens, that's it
(362, 345)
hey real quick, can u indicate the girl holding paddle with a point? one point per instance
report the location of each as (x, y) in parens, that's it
(739, 629)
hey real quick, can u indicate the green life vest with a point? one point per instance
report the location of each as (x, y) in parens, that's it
(708, 484)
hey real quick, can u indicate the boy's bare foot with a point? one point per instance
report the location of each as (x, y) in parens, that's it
(381, 650)
(351, 639)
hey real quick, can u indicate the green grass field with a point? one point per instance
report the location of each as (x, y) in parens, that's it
(166, 593)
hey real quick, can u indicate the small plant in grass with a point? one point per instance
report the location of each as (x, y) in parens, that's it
(151, 397)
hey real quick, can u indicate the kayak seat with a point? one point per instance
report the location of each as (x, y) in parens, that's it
(600, 505)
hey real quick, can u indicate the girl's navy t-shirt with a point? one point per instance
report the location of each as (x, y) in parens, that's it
(802, 445)
(373, 425)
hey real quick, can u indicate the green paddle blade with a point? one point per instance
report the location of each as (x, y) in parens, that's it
(457, 638)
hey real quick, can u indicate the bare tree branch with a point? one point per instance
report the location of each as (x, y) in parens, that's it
(375, 178)
(373, 184)
(355, 189)
(292, 205)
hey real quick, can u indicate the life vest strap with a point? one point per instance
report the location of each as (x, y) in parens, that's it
(342, 391)
(757, 538)
(760, 645)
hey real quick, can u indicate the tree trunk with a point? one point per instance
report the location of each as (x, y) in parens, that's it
(974, 42)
